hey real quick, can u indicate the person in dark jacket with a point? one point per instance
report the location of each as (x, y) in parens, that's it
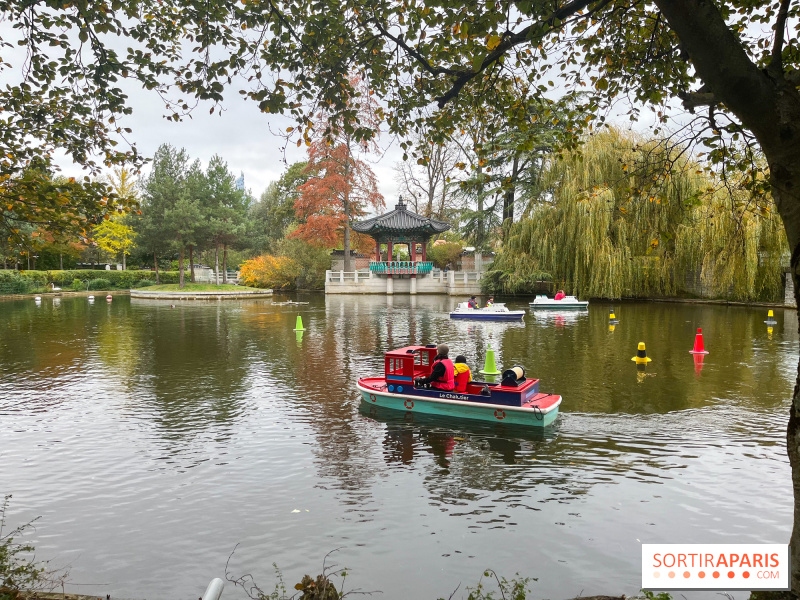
(442, 375)
(473, 303)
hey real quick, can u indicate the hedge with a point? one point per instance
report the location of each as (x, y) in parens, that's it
(10, 279)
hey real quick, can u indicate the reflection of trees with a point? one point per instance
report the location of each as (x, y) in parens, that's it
(192, 367)
(42, 350)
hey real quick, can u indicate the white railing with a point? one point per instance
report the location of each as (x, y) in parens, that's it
(347, 276)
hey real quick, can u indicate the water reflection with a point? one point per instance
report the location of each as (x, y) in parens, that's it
(142, 420)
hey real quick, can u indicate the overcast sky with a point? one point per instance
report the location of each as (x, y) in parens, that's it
(242, 135)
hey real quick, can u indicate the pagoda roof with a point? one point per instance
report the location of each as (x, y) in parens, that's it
(400, 220)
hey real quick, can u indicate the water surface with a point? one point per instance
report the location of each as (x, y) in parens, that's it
(154, 440)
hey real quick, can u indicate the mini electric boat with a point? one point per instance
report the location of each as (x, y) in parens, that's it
(515, 400)
(567, 302)
(495, 312)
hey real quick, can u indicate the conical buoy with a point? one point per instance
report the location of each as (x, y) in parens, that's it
(109, 298)
(489, 365)
(698, 343)
(770, 319)
(612, 318)
(299, 326)
(641, 355)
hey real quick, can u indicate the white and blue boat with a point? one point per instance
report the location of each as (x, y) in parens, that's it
(516, 400)
(567, 302)
(495, 312)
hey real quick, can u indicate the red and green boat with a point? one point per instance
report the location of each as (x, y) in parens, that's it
(516, 400)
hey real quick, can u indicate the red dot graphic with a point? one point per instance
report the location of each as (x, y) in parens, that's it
(731, 574)
(686, 574)
(746, 574)
(715, 574)
(701, 574)
(671, 574)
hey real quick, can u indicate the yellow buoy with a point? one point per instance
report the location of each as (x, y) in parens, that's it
(641, 355)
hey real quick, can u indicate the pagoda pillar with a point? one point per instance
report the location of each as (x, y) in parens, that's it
(424, 253)
(378, 250)
(389, 248)
(413, 256)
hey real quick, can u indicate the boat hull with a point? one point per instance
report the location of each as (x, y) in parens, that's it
(461, 409)
(558, 305)
(513, 315)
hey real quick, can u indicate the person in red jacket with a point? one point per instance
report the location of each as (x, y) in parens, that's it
(442, 375)
(560, 295)
(462, 373)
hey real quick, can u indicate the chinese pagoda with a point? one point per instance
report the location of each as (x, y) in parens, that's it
(401, 227)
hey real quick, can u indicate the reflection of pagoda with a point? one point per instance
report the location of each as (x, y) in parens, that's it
(401, 227)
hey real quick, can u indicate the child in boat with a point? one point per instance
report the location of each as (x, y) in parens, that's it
(490, 301)
(462, 373)
(560, 295)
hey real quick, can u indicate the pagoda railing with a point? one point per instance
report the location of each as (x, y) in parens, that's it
(400, 267)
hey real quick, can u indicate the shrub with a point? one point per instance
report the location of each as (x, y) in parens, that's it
(144, 283)
(99, 284)
(276, 272)
(118, 279)
(78, 285)
(18, 571)
(444, 255)
(11, 282)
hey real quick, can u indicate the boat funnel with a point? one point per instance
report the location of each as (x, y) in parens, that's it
(489, 365)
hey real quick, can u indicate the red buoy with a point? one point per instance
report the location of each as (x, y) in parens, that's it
(698, 343)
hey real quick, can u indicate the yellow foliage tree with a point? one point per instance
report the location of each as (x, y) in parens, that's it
(267, 271)
(115, 237)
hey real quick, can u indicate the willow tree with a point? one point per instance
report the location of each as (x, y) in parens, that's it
(626, 216)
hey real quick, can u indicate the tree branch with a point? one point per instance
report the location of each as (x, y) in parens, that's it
(692, 100)
(776, 63)
(514, 39)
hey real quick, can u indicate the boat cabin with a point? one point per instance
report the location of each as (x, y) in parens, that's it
(406, 364)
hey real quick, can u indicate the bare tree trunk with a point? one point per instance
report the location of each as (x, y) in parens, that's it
(155, 261)
(224, 263)
(216, 263)
(61, 260)
(191, 262)
(123, 260)
(348, 261)
(180, 269)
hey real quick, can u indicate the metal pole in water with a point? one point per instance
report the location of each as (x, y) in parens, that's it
(214, 589)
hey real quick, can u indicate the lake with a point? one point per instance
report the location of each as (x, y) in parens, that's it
(153, 440)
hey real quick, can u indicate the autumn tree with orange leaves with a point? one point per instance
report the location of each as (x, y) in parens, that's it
(342, 185)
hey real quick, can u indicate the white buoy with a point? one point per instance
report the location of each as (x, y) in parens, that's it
(91, 298)
(37, 299)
